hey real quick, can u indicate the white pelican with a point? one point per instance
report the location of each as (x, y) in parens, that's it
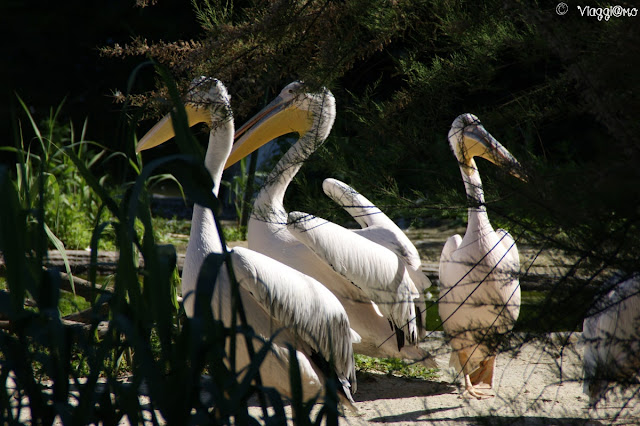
(479, 288)
(612, 341)
(374, 271)
(275, 296)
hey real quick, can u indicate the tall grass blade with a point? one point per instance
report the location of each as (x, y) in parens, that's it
(59, 245)
(35, 127)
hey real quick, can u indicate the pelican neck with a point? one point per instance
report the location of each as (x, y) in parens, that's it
(203, 225)
(285, 170)
(478, 219)
(220, 143)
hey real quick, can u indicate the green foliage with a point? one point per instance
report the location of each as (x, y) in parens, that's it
(240, 191)
(46, 176)
(394, 367)
(236, 186)
(212, 14)
(70, 303)
(402, 71)
(172, 231)
(254, 47)
(71, 207)
(432, 320)
(176, 232)
(235, 233)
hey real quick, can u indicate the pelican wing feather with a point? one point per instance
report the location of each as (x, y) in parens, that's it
(447, 281)
(320, 322)
(451, 245)
(509, 244)
(378, 228)
(510, 294)
(380, 273)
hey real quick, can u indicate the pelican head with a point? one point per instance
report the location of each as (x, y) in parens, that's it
(469, 139)
(207, 102)
(292, 111)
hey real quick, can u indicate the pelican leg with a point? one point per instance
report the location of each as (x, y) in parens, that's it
(482, 377)
(479, 383)
(472, 391)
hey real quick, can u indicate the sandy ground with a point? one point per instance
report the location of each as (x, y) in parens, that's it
(528, 385)
(529, 391)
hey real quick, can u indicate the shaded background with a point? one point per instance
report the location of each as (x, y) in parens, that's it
(50, 52)
(561, 92)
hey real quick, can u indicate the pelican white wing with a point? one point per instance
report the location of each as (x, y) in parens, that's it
(302, 304)
(377, 227)
(376, 270)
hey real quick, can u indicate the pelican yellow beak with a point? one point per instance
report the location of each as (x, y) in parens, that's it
(276, 119)
(477, 142)
(163, 130)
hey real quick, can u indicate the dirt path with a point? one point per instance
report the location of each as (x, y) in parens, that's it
(529, 391)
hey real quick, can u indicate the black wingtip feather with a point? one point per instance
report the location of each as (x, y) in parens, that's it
(399, 337)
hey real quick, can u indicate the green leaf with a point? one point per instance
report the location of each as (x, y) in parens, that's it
(59, 245)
